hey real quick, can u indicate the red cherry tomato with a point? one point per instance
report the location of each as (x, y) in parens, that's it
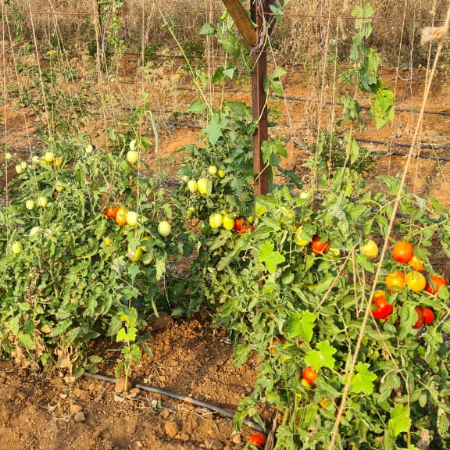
(309, 375)
(420, 318)
(428, 315)
(259, 439)
(319, 247)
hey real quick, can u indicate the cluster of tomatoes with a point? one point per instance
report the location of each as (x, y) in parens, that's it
(123, 216)
(415, 280)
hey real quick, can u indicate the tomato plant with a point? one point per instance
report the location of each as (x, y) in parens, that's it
(55, 310)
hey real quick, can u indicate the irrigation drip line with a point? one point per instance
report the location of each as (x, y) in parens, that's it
(183, 398)
(440, 158)
(399, 144)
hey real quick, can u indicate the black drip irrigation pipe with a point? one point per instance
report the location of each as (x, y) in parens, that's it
(183, 398)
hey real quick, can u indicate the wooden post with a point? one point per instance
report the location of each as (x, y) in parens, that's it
(259, 98)
(257, 39)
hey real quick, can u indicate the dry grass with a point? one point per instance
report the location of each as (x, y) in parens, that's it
(301, 37)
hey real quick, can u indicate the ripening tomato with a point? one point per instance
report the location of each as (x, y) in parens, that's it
(380, 300)
(395, 281)
(309, 375)
(370, 249)
(420, 318)
(415, 281)
(121, 216)
(435, 282)
(416, 263)
(428, 315)
(259, 439)
(319, 247)
(403, 252)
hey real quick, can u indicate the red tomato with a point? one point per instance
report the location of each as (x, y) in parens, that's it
(309, 375)
(259, 439)
(380, 300)
(319, 247)
(403, 252)
(383, 312)
(238, 222)
(111, 211)
(436, 282)
(428, 315)
(420, 318)
(395, 281)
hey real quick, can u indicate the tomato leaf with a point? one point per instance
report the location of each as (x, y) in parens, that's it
(322, 357)
(269, 257)
(241, 354)
(363, 380)
(301, 324)
(400, 420)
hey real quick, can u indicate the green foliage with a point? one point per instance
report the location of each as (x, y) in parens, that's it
(77, 276)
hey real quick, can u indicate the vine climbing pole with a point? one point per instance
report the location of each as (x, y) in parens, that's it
(257, 38)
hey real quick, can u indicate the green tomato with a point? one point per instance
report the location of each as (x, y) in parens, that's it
(221, 173)
(132, 156)
(30, 204)
(89, 149)
(136, 255)
(48, 157)
(17, 247)
(215, 220)
(202, 185)
(19, 169)
(192, 186)
(133, 144)
(205, 229)
(164, 228)
(212, 170)
(42, 201)
(34, 231)
(298, 238)
(107, 241)
(132, 218)
(228, 223)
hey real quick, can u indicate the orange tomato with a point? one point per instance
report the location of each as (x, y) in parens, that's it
(121, 217)
(403, 252)
(435, 282)
(395, 281)
(309, 375)
(416, 263)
